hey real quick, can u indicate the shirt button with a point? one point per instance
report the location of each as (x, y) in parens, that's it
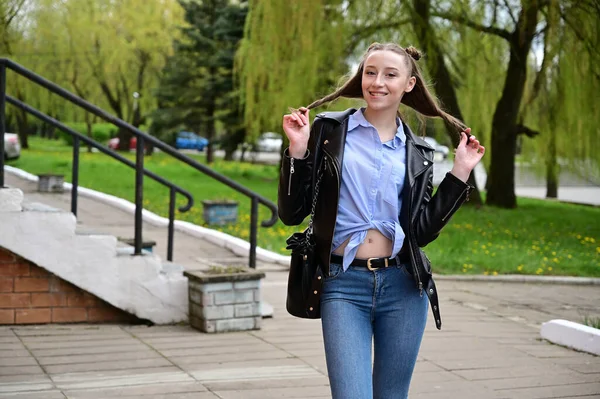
(373, 191)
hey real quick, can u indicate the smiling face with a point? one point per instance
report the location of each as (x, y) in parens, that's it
(386, 77)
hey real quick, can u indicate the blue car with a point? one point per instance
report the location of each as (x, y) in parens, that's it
(191, 141)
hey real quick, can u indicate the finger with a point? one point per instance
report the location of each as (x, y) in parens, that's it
(304, 118)
(463, 138)
(297, 119)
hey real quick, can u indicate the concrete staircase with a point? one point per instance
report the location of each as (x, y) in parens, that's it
(143, 285)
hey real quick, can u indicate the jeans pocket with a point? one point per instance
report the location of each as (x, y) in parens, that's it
(334, 271)
(403, 267)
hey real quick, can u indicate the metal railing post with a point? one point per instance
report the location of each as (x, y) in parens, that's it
(253, 231)
(75, 175)
(139, 194)
(171, 225)
(2, 119)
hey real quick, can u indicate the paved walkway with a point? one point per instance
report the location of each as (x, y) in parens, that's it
(489, 346)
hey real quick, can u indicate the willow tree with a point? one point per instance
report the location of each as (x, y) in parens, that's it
(291, 53)
(518, 24)
(565, 111)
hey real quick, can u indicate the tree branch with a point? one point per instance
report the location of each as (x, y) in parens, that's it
(509, 11)
(503, 33)
(522, 129)
(362, 32)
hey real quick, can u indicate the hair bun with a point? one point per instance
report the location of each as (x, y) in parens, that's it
(413, 52)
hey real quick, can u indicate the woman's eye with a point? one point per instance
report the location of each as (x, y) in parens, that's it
(370, 73)
(392, 75)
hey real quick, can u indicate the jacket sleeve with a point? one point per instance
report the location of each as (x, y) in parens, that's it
(294, 194)
(436, 211)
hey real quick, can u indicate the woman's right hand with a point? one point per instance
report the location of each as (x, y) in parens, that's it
(296, 126)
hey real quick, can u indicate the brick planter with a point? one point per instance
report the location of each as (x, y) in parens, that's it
(222, 302)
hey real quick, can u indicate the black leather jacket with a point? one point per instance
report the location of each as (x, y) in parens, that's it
(422, 216)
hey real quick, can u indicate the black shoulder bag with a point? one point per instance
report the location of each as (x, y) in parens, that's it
(305, 277)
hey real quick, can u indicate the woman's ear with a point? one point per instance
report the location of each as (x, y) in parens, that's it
(410, 84)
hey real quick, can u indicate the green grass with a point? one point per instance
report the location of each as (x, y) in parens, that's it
(593, 322)
(539, 237)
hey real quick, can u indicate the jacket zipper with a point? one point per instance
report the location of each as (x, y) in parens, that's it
(291, 173)
(456, 203)
(338, 186)
(415, 267)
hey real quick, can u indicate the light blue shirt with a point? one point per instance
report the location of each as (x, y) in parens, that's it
(372, 178)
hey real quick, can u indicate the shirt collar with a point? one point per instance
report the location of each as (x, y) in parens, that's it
(358, 119)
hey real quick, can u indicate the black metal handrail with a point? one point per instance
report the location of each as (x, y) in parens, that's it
(139, 164)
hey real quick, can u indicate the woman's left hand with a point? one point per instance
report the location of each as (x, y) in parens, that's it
(467, 155)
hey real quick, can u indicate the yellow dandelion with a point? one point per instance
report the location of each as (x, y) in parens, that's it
(495, 273)
(539, 271)
(520, 267)
(486, 273)
(549, 268)
(570, 256)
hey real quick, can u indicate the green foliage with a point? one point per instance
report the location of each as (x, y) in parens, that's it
(291, 54)
(101, 132)
(197, 89)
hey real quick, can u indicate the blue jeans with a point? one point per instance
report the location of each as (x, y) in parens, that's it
(361, 309)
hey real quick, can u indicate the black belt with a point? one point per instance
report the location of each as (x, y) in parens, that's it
(371, 263)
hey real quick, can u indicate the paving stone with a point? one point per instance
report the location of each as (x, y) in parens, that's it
(116, 378)
(549, 379)
(143, 390)
(19, 370)
(254, 371)
(561, 391)
(307, 392)
(102, 357)
(14, 353)
(107, 365)
(217, 349)
(18, 361)
(82, 344)
(135, 347)
(229, 357)
(75, 337)
(510, 371)
(25, 383)
(316, 381)
(46, 394)
(203, 342)
(57, 330)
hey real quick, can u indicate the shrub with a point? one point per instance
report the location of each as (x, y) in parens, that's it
(101, 132)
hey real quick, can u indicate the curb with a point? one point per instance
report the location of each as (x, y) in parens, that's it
(520, 278)
(572, 335)
(234, 244)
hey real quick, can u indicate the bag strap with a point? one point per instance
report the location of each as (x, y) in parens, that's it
(314, 204)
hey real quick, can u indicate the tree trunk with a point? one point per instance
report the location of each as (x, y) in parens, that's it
(504, 124)
(551, 167)
(444, 86)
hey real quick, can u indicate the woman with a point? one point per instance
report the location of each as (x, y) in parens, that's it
(374, 211)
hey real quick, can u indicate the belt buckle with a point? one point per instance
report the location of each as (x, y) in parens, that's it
(375, 268)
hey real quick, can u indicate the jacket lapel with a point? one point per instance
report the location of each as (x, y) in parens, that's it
(416, 161)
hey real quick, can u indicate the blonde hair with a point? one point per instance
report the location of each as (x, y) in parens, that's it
(419, 99)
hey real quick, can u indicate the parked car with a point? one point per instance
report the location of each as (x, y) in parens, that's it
(442, 149)
(12, 146)
(190, 140)
(269, 142)
(113, 143)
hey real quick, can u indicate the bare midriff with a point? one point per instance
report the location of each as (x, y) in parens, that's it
(376, 245)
